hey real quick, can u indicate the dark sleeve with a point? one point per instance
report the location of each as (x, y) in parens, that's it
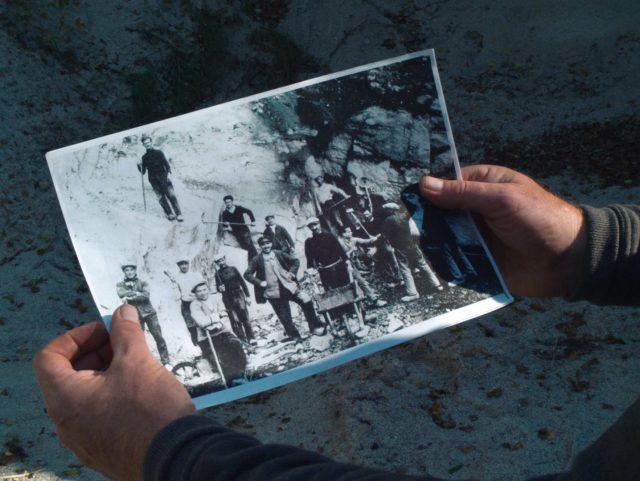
(195, 448)
(292, 262)
(288, 237)
(167, 165)
(311, 262)
(612, 267)
(123, 290)
(249, 213)
(250, 273)
(241, 281)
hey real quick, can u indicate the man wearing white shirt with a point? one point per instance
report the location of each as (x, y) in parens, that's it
(184, 281)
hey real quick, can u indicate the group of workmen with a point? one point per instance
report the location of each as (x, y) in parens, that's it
(355, 232)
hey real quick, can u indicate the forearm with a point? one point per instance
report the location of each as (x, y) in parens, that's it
(194, 448)
(612, 265)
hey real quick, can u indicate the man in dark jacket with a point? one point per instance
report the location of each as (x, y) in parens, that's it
(135, 291)
(544, 246)
(278, 236)
(273, 273)
(233, 217)
(325, 253)
(235, 295)
(157, 167)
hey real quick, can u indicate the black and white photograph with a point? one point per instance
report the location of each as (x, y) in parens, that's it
(273, 237)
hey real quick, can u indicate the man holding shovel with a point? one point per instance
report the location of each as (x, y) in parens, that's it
(219, 345)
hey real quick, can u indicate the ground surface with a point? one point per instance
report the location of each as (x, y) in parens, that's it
(548, 87)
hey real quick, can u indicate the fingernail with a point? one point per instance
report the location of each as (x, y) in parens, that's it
(432, 183)
(128, 312)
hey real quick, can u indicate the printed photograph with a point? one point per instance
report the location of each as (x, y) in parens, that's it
(273, 237)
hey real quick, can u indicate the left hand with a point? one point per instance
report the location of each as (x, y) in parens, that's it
(107, 395)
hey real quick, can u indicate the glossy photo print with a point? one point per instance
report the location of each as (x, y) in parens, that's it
(273, 237)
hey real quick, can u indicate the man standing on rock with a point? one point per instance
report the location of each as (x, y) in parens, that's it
(135, 291)
(233, 218)
(273, 273)
(156, 165)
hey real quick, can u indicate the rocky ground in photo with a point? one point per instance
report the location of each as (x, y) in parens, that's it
(550, 88)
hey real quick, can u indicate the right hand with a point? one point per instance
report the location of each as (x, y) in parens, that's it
(538, 240)
(263, 284)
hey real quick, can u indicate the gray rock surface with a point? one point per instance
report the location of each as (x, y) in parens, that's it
(548, 87)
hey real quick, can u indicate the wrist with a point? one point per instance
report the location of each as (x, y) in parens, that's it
(573, 261)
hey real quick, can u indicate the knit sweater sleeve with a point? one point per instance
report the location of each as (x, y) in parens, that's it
(612, 267)
(195, 448)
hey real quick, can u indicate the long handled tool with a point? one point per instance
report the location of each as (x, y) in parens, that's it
(215, 358)
(144, 195)
(220, 222)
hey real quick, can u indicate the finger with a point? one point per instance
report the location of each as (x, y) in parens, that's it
(493, 174)
(479, 197)
(59, 354)
(97, 360)
(126, 333)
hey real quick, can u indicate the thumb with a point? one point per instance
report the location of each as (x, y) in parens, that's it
(126, 333)
(478, 197)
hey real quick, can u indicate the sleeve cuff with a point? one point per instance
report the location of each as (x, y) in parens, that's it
(612, 263)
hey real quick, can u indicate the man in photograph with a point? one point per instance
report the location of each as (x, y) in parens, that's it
(437, 233)
(395, 228)
(157, 167)
(329, 200)
(219, 345)
(278, 235)
(324, 253)
(273, 273)
(184, 281)
(352, 246)
(135, 291)
(235, 295)
(234, 221)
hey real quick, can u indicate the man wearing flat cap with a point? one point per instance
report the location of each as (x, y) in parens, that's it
(278, 235)
(184, 281)
(135, 291)
(235, 295)
(273, 273)
(219, 345)
(325, 253)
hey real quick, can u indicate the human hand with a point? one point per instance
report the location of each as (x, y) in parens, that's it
(538, 240)
(107, 395)
(263, 283)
